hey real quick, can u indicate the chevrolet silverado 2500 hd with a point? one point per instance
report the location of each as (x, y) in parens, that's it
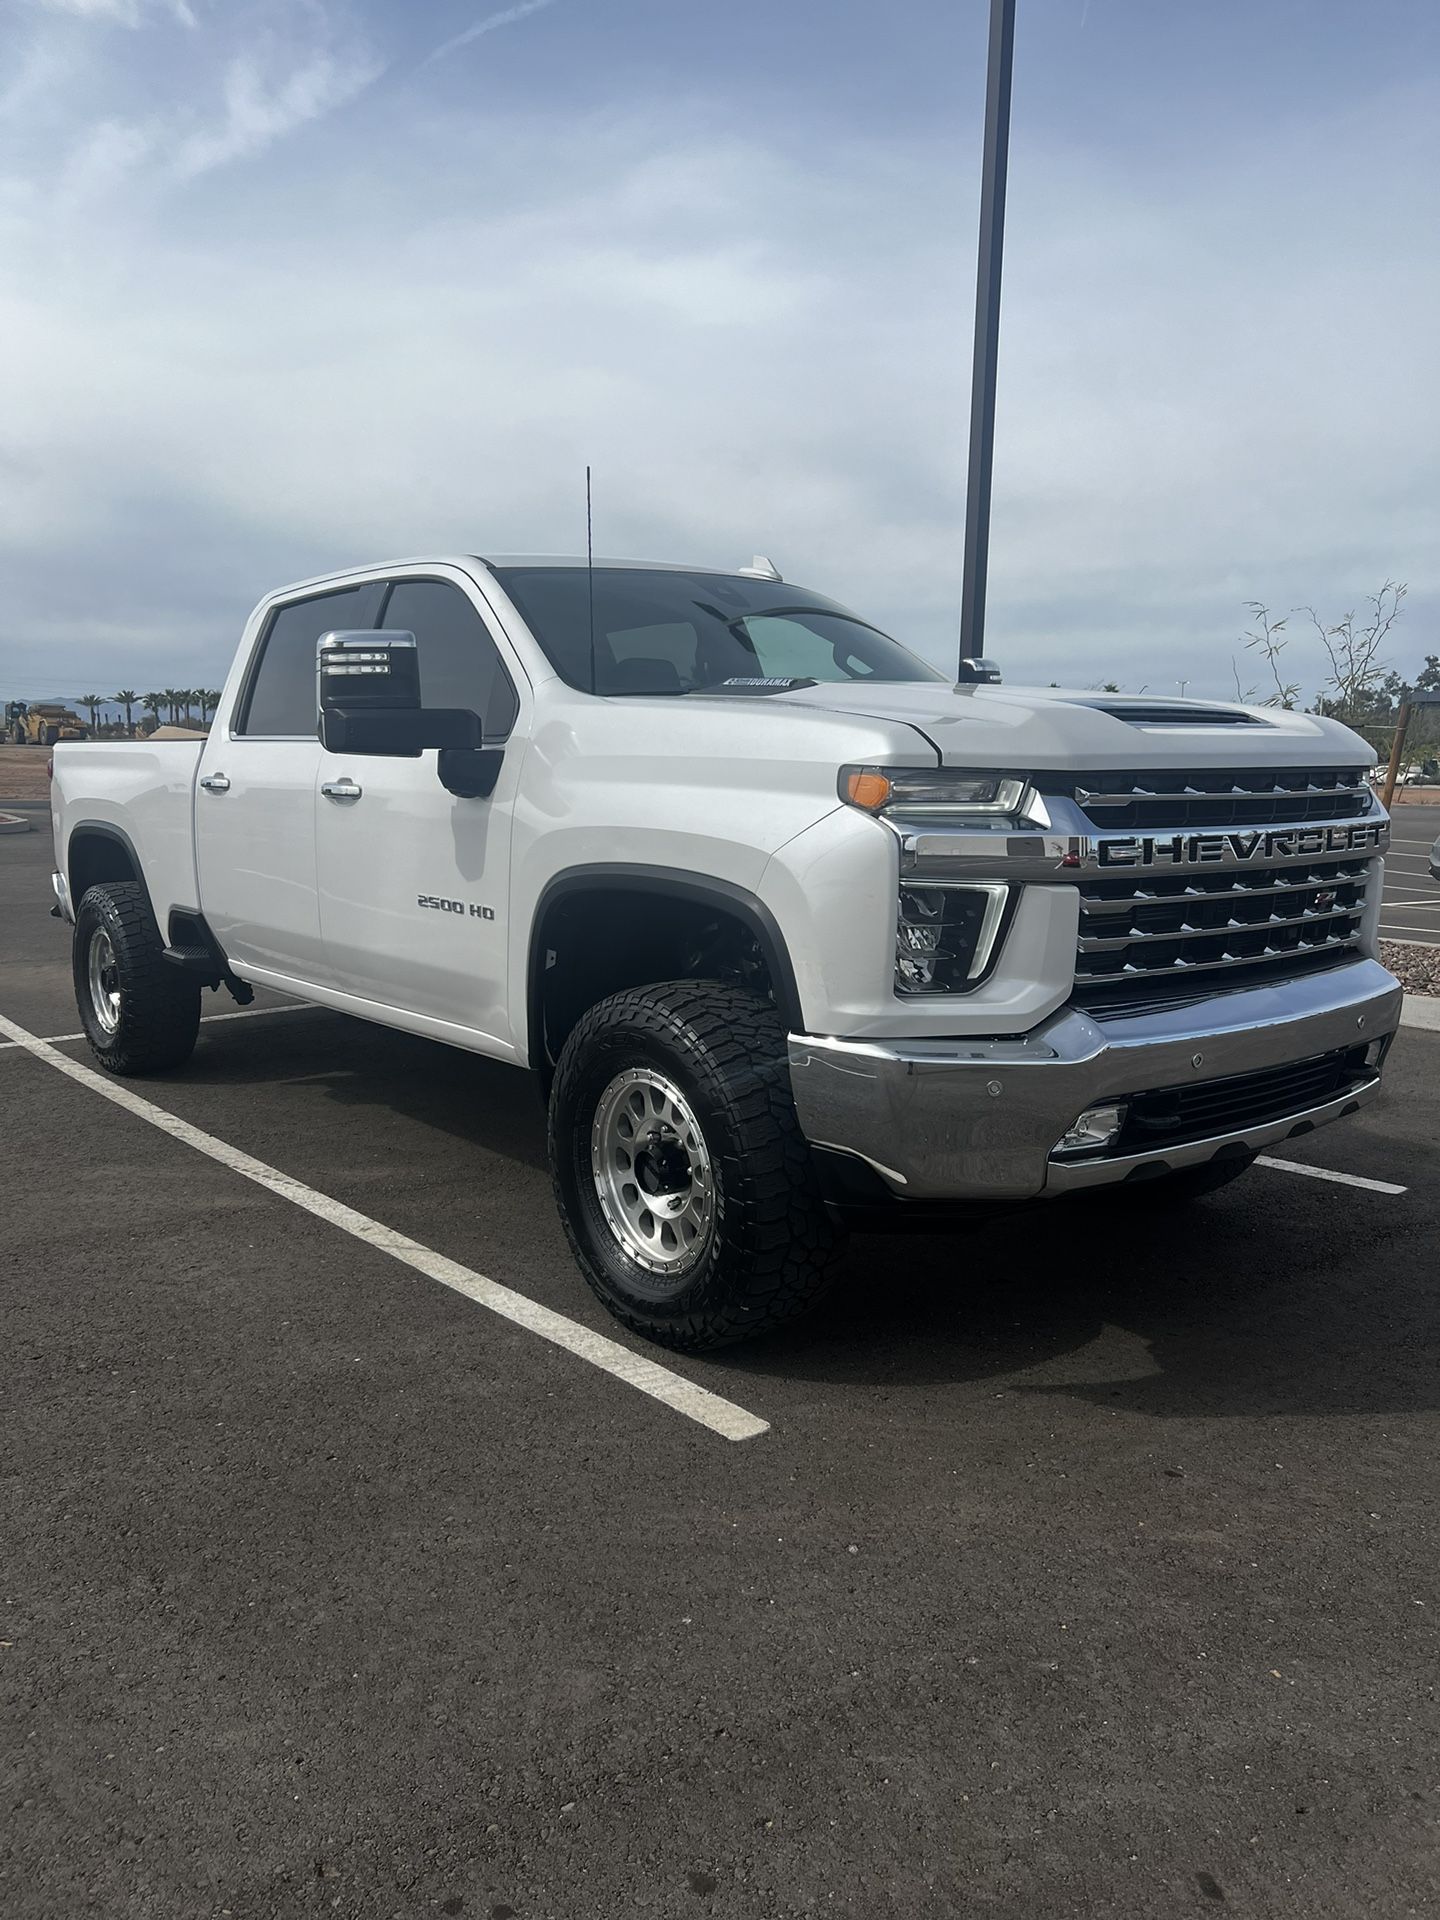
(795, 930)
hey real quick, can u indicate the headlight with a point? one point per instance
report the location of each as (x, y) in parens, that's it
(946, 937)
(934, 790)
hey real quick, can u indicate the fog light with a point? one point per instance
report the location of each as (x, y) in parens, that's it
(1375, 1053)
(1096, 1129)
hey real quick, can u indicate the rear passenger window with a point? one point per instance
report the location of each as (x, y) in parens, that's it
(460, 665)
(283, 699)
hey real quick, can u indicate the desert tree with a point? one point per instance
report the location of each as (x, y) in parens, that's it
(1268, 639)
(1358, 686)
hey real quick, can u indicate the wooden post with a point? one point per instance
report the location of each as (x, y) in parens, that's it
(1397, 747)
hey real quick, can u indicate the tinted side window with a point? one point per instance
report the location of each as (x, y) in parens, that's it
(283, 698)
(460, 665)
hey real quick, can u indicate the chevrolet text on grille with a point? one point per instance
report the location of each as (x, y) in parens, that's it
(1202, 849)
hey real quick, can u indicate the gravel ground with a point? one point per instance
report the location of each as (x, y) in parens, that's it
(1417, 968)
(22, 773)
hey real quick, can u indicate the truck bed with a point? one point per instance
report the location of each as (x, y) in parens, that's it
(141, 792)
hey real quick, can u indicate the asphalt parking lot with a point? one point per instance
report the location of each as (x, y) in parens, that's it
(1411, 909)
(1083, 1565)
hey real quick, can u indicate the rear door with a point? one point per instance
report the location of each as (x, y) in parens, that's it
(414, 882)
(255, 802)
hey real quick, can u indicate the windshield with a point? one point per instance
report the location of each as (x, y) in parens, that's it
(658, 631)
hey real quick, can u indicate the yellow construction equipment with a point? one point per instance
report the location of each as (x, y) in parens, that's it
(41, 723)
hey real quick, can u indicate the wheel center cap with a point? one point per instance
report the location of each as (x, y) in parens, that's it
(662, 1167)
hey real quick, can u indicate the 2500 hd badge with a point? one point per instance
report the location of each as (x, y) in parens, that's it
(1230, 849)
(454, 906)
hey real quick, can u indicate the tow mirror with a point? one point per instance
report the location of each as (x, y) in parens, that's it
(369, 697)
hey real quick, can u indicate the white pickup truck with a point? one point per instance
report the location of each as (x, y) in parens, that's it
(794, 931)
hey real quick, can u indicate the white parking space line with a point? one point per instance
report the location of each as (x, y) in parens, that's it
(646, 1376)
(206, 1019)
(1327, 1173)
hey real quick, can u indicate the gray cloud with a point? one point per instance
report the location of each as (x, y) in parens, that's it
(412, 332)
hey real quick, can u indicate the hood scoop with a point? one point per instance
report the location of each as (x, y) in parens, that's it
(1172, 713)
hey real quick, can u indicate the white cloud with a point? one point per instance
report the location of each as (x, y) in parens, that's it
(261, 104)
(230, 376)
(293, 66)
(506, 17)
(122, 13)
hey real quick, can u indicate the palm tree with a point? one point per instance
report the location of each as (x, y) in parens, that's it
(91, 704)
(172, 701)
(152, 703)
(126, 698)
(209, 698)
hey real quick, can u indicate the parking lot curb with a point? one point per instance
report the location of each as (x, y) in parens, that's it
(1421, 1010)
(14, 823)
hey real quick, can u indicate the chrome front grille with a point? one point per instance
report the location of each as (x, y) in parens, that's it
(1190, 882)
(1143, 935)
(1245, 797)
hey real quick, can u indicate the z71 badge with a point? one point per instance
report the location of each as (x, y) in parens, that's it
(455, 906)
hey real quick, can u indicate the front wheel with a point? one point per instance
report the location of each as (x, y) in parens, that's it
(684, 1183)
(139, 1014)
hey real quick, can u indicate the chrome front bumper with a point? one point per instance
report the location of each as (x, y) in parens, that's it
(962, 1119)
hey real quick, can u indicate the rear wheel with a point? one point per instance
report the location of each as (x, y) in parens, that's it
(684, 1183)
(139, 1014)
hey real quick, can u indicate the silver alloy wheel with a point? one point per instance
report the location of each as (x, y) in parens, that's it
(652, 1172)
(104, 979)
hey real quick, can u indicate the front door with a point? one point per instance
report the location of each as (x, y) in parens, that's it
(255, 804)
(414, 883)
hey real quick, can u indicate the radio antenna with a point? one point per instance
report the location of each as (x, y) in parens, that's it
(590, 572)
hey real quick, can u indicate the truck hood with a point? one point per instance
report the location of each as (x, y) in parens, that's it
(1065, 728)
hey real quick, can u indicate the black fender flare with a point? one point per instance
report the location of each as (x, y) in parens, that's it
(676, 884)
(100, 830)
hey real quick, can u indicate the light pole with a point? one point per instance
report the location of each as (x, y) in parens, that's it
(987, 333)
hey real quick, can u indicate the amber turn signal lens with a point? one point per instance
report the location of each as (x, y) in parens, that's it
(869, 790)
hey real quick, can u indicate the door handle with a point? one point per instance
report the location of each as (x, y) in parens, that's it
(340, 790)
(215, 783)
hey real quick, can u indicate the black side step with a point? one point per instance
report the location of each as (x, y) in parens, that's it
(199, 955)
(197, 960)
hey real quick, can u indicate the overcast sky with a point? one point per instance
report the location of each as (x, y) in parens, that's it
(292, 284)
